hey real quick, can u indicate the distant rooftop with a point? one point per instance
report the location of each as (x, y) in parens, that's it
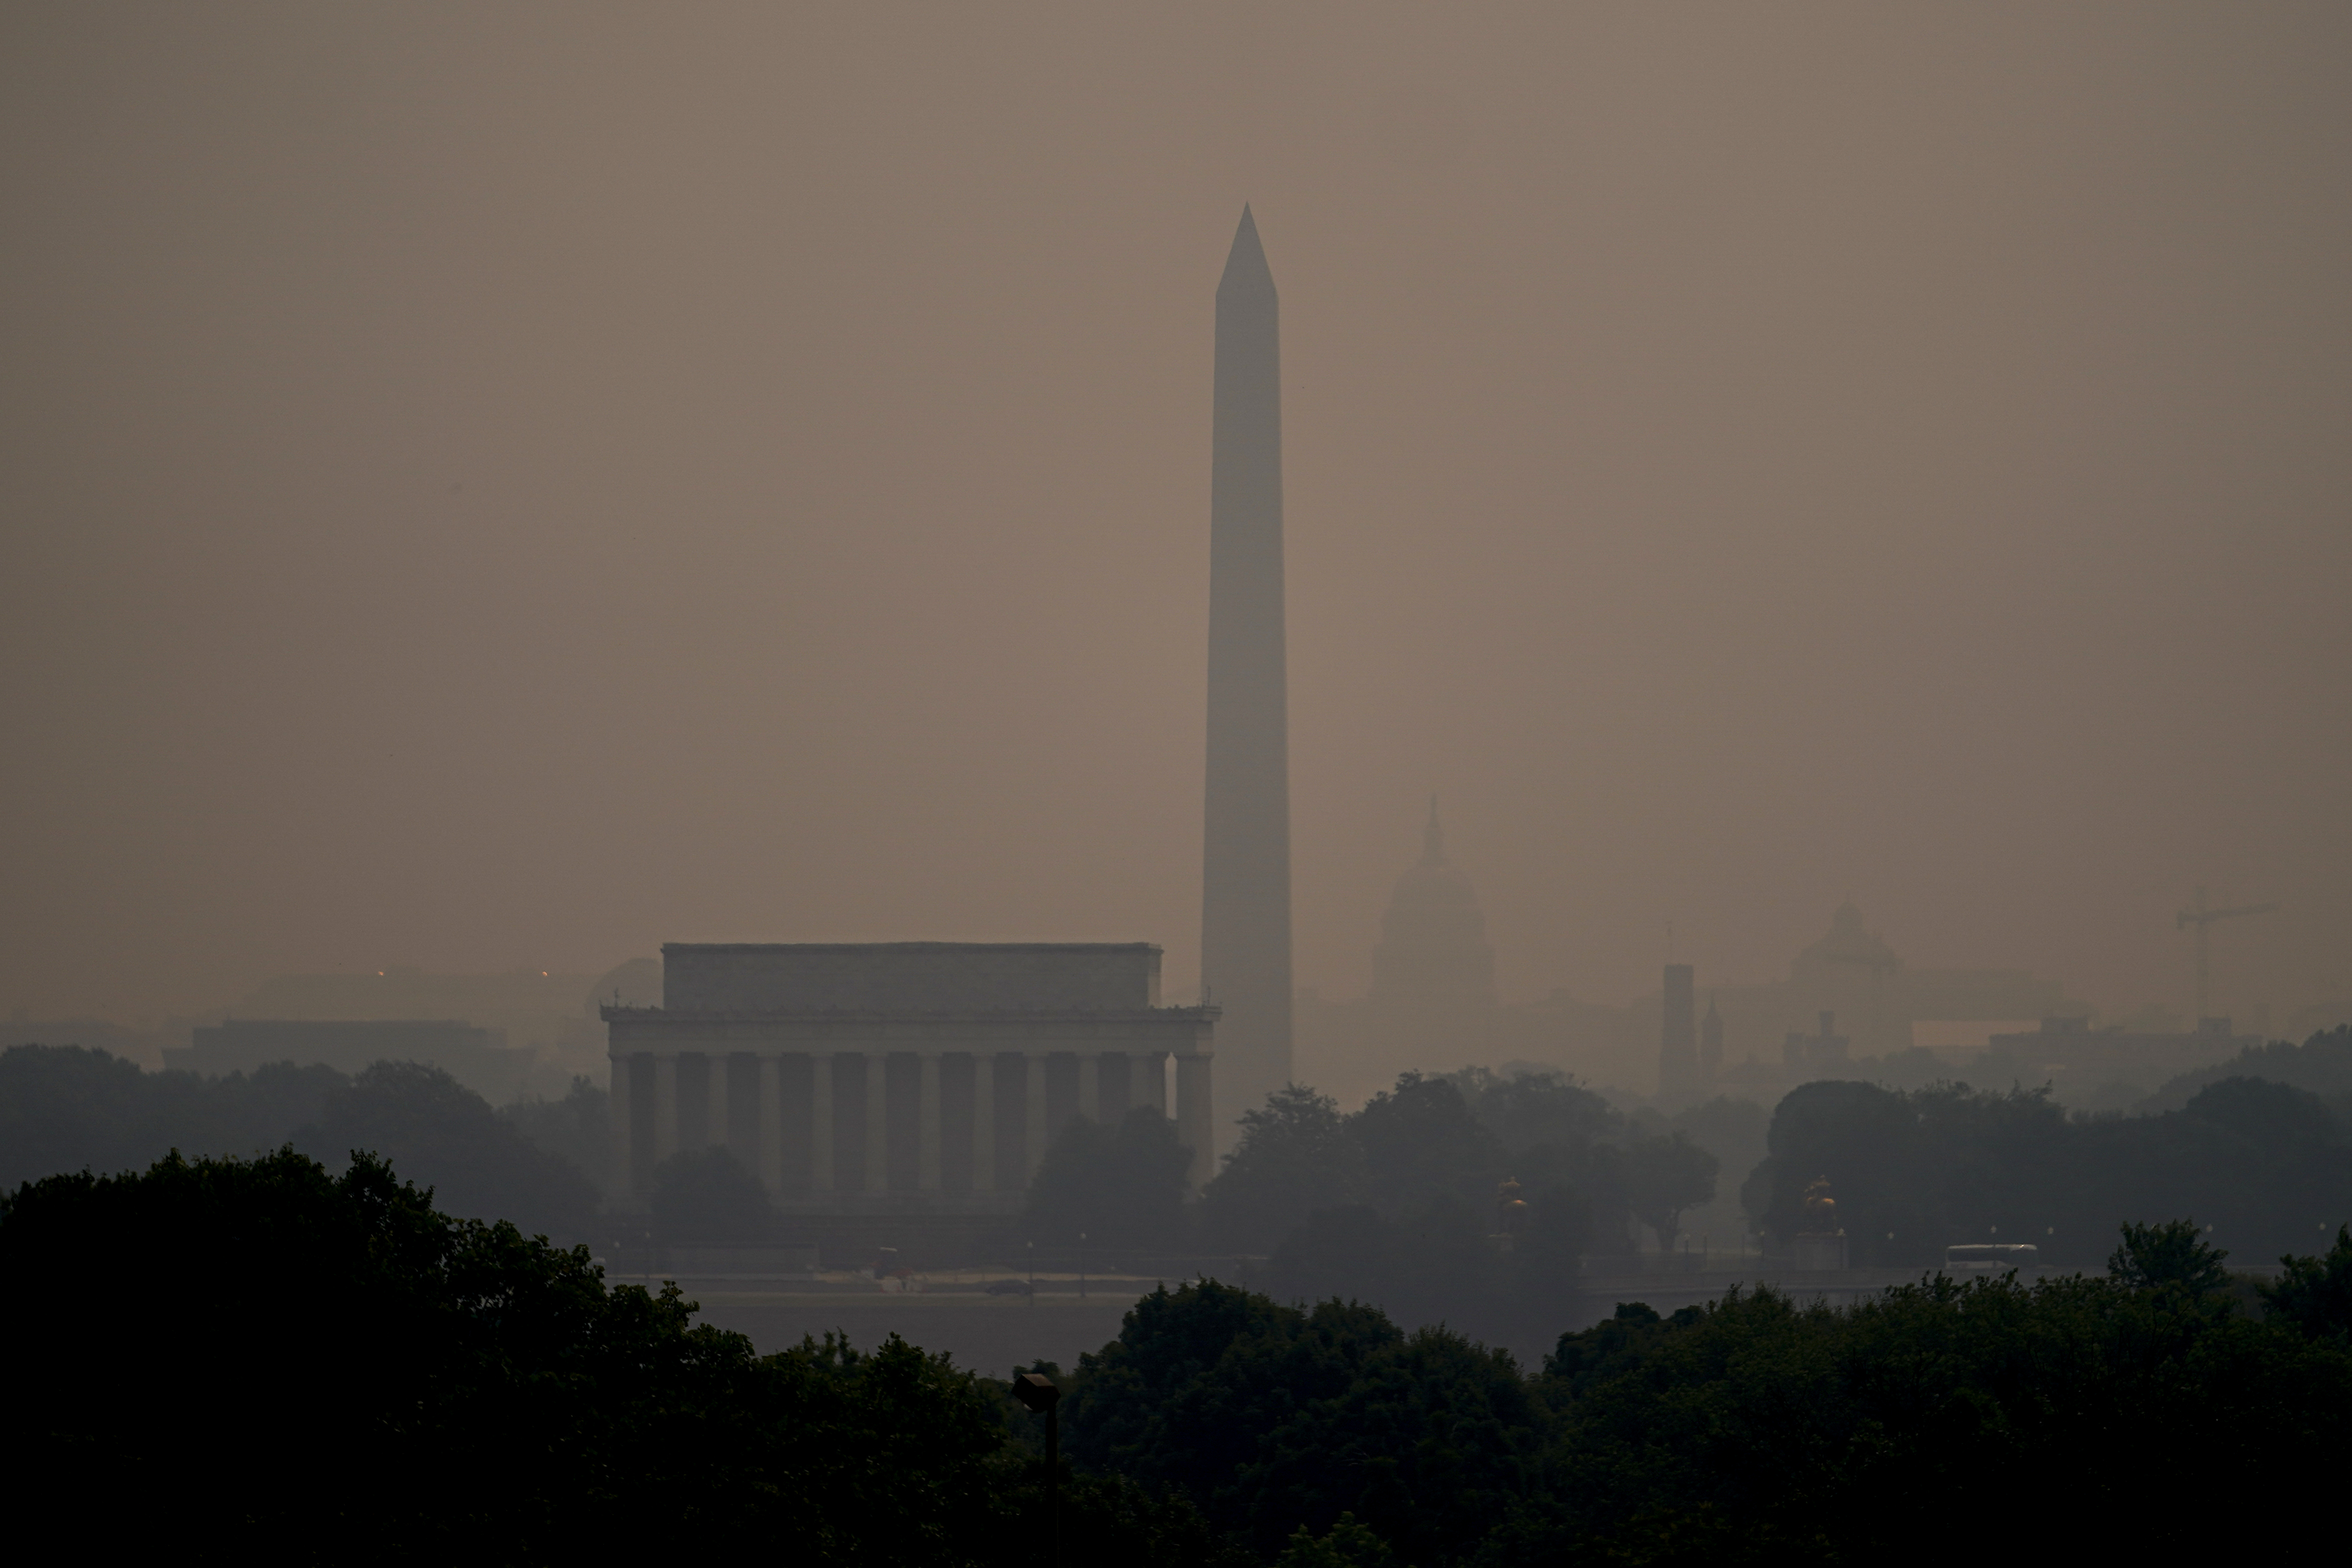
(909, 976)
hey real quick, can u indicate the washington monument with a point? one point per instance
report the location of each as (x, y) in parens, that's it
(1246, 873)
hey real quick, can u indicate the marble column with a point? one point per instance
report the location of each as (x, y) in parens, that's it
(821, 1120)
(664, 1106)
(772, 1123)
(715, 1101)
(1033, 1074)
(878, 1121)
(1195, 1125)
(983, 1121)
(1151, 1077)
(1114, 1088)
(927, 1123)
(624, 1124)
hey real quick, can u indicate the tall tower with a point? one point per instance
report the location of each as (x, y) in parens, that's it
(1245, 853)
(1678, 1033)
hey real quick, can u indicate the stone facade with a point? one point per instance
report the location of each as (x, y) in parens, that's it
(923, 1076)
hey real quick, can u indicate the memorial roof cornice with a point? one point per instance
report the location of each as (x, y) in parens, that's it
(832, 948)
(613, 1014)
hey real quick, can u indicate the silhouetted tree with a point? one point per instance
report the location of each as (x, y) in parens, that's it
(347, 1375)
(2314, 1294)
(1120, 1187)
(2171, 1257)
(1420, 1139)
(578, 1128)
(1759, 1430)
(1347, 1544)
(64, 1108)
(1272, 1420)
(1916, 1171)
(1296, 1155)
(443, 1134)
(1532, 1109)
(1663, 1177)
(704, 1197)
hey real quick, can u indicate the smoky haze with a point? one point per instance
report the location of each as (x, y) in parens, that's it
(494, 489)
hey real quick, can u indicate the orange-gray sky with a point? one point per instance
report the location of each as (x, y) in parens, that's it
(505, 486)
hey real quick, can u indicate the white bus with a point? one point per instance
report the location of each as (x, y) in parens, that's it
(1974, 1259)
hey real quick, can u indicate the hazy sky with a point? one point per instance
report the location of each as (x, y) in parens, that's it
(501, 487)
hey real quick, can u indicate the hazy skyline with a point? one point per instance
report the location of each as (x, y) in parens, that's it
(497, 489)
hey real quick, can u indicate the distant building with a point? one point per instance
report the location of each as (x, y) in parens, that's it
(145, 1047)
(1678, 1072)
(907, 1076)
(1804, 1053)
(1433, 966)
(1432, 1006)
(1710, 1043)
(2069, 1053)
(476, 1057)
(1851, 971)
(551, 1015)
(1879, 1000)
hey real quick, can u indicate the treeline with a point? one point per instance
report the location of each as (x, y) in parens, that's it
(346, 1374)
(1400, 1203)
(2266, 1164)
(538, 1162)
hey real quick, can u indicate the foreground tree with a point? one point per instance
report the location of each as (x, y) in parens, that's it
(2171, 1257)
(345, 1373)
(2314, 1295)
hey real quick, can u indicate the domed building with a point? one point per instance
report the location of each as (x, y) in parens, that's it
(1434, 957)
(1432, 1006)
(1850, 972)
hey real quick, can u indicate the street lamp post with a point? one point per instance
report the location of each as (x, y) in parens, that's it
(1037, 1394)
(1082, 1265)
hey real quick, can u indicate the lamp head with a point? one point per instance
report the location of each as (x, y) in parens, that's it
(1036, 1391)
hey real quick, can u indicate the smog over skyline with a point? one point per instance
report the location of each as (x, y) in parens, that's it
(502, 490)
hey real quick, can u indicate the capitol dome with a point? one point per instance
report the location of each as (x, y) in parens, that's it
(1434, 952)
(1849, 946)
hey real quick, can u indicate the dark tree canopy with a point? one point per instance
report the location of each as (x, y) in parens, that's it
(347, 1374)
(444, 1135)
(1421, 1140)
(2172, 1256)
(65, 1109)
(1296, 1155)
(704, 1197)
(1664, 1178)
(1118, 1187)
(1272, 1418)
(2314, 1295)
(577, 1128)
(2269, 1167)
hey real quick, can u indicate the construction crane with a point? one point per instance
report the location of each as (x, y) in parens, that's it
(2202, 918)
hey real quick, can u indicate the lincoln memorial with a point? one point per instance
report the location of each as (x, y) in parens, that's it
(907, 1076)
